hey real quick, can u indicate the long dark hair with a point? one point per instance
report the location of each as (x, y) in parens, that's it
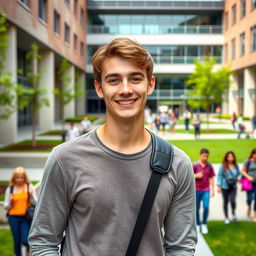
(253, 152)
(225, 160)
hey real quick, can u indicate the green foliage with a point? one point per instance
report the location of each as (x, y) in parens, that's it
(227, 116)
(233, 239)
(66, 93)
(208, 86)
(80, 118)
(10, 92)
(36, 95)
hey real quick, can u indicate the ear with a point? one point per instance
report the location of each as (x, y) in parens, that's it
(98, 89)
(151, 85)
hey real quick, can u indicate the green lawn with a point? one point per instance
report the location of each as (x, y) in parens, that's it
(233, 239)
(224, 240)
(210, 131)
(217, 148)
(52, 132)
(26, 146)
(6, 244)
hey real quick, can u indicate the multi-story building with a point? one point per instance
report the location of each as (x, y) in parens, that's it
(59, 29)
(174, 32)
(240, 52)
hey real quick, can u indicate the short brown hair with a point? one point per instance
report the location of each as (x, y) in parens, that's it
(124, 48)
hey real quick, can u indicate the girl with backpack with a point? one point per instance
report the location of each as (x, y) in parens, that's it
(249, 172)
(227, 178)
(18, 197)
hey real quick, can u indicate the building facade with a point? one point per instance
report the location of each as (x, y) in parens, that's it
(58, 27)
(174, 32)
(239, 20)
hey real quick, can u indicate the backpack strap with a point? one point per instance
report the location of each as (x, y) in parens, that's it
(248, 164)
(161, 163)
(11, 189)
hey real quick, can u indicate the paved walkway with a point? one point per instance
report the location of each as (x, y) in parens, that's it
(216, 212)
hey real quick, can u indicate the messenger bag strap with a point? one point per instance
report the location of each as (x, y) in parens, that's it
(161, 163)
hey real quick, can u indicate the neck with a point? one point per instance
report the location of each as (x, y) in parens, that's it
(125, 136)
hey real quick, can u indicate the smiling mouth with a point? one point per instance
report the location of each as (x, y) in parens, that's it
(125, 102)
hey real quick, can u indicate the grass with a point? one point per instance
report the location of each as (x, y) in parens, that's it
(80, 118)
(25, 146)
(217, 148)
(210, 131)
(6, 245)
(233, 239)
(224, 240)
(52, 132)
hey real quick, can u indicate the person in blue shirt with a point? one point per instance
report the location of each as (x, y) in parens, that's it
(227, 178)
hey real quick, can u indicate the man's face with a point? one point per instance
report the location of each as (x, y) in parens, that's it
(124, 87)
(204, 157)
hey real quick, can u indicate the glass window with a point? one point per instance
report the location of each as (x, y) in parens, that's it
(226, 20)
(124, 22)
(192, 51)
(242, 44)
(205, 50)
(233, 42)
(217, 50)
(243, 8)
(75, 7)
(226, 52)
(26, 2)
(81, 49)
(67, 2)
(56, 22)
(137, 22)
(253, 4)
(234, 14)
(75, 42)
(42, 10)
(151, 26)
(66, 33)
(253, 38)
(82, 17)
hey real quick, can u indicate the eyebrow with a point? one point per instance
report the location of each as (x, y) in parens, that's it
(112, 75)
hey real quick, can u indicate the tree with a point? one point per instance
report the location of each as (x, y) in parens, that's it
(208, 86)
(10, 92)
(66, 93)
(36, 95)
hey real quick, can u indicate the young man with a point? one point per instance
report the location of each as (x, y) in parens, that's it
(204, 175)
(93, 186)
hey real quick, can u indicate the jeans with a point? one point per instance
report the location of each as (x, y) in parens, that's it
(187, 125)
(252, 195)
(203, 196)
(229, 195)
(20, 229)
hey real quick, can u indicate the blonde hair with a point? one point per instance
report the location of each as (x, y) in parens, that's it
(124, 48)
(17, 171)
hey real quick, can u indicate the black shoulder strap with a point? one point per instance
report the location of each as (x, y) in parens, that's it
(11, 189)
(161, 163)
(248, 164)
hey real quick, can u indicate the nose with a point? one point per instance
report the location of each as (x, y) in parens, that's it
(125, 87)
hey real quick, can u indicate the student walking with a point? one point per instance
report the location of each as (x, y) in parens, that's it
(197, 126)
(227, 178)
(204, 175)
(93, 186)
(18, 196)
(187, 116)
(249, 172)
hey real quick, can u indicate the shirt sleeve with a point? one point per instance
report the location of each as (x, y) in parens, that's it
(180, 226)
(7, 204)
(52, 211)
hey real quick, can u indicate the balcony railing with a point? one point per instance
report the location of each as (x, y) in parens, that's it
(157, 94)
(175, 59)
(156, 5)
(154, 29)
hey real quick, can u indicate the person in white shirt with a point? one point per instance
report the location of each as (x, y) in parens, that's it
(72, 132)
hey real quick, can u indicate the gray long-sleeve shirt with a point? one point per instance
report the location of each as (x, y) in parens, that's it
(94, 194)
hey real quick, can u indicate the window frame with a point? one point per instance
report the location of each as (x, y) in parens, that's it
(242, 44)
(56, 15)
(233, 48)
(234, 14)
(66, 33)
(45, 10)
